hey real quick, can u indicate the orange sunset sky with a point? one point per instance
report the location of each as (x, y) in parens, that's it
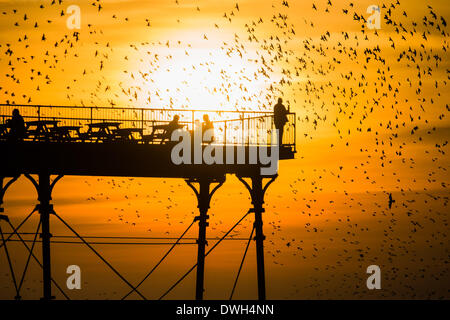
(372, 119)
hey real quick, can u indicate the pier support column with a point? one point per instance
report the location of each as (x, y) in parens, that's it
(204, 199)
(203, 206)
(257, 192)
(44, 189)
(45, 208)
(258, 201)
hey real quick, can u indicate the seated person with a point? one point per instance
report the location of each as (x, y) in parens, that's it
(171, 127)
(207, 125)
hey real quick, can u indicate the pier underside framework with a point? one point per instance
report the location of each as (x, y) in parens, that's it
(203, 187)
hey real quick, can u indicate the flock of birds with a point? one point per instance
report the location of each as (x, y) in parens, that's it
(381, 92)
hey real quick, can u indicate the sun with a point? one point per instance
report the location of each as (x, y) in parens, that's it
(200, 79)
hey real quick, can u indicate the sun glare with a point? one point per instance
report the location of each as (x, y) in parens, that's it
(201, 79)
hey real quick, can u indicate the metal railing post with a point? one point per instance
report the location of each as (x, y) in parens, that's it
(225, 134)
(248, 131)
(243, 129)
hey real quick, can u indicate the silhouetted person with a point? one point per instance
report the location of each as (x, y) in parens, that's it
(171, 127)
(280, 119)
(17, 126)
(207, 125)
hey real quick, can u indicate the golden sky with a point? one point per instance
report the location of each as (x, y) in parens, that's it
(372, 119)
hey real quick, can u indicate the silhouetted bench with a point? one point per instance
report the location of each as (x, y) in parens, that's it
(40, 129)
(126, 134)
(63, 133)
(158, 133)
(101, 131)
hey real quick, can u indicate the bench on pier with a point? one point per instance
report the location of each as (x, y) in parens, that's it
(159, 133)
(126, 134)
(40, 129)
(101, 131)
(65, 133)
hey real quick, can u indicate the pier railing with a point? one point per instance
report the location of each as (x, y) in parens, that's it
(230, 127)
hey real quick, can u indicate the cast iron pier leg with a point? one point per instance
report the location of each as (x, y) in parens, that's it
(204, 198)
(203, 205)
(44, 189)
(257, 192)
(45, 209)
(258, 200)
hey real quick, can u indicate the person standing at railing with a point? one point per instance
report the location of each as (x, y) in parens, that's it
(280, 118)
(17, 126)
